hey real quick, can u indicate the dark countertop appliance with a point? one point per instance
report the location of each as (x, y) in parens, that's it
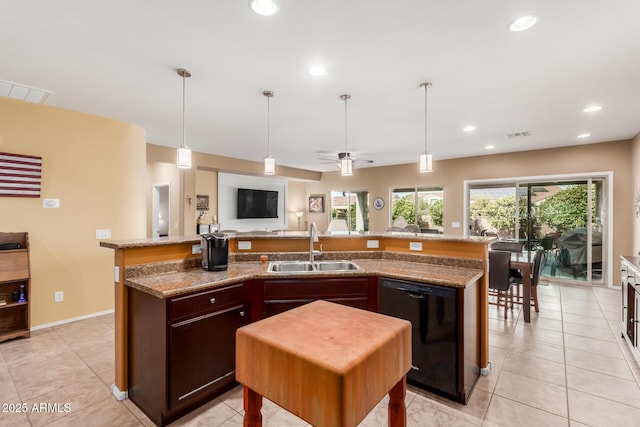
(215, 251)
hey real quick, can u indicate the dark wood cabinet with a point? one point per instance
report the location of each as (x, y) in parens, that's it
(280, 295)
(15, 279)
(175, 368)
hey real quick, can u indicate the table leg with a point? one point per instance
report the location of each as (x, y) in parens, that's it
(526, 293)
(252, 407)
(397, 408)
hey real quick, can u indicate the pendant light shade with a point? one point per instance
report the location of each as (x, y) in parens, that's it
(269, 162)
(426, 159)
(346, 163)
(184, 152)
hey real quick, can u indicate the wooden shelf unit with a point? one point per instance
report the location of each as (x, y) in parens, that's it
(15, 318)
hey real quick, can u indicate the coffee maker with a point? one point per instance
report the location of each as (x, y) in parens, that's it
(215, 251)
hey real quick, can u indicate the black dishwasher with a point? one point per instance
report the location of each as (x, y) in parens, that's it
(433, 313)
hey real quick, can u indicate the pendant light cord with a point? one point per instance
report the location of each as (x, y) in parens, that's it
(184, 132)
(268, 125)
(345, 97)
(426, 86)
(346, 129)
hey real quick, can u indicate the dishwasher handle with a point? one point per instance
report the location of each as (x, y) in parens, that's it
(416, 295)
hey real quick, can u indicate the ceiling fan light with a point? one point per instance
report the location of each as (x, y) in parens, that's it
(184, 157)
(346, 165)
(426, 162)
(269, 165)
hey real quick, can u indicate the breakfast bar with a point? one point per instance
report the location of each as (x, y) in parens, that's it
(176, 323)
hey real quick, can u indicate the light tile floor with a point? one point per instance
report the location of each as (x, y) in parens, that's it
(569, 366)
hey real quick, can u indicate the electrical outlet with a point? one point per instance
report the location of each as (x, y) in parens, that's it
(58, 296)
(415, 246)
(196, 249)
(244, 245)
(372, 244)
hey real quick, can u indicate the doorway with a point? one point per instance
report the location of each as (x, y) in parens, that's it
(160, 219)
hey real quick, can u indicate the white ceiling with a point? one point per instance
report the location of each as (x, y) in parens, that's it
(118, 59)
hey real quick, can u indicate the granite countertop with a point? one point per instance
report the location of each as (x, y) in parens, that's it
(281, 235)
(170, 284)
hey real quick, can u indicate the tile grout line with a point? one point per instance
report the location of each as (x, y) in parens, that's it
(564, 356)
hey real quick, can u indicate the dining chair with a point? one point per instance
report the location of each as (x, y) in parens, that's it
(507, 245)
(499, 278)
(535, 278)
(412, 228)
(510, 246)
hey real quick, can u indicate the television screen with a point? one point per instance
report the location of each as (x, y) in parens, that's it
(257, 203)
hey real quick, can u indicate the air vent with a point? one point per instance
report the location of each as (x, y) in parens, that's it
(518, 134)
(23, 92)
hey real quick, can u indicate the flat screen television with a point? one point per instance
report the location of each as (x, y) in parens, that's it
(257, 203)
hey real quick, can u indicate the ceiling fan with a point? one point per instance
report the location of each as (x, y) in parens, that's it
(345, 159)
(338, 159)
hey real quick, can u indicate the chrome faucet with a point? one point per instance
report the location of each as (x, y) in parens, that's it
(313, 238)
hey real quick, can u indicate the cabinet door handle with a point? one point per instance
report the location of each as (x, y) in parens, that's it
(242, 313)
(212, 300)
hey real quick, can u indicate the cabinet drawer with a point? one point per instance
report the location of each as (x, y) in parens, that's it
(14, 265)
(315, 288)
(197, 304)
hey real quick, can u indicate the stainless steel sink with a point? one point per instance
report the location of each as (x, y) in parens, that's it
(308, 267)
(336, 266)
(289, 266)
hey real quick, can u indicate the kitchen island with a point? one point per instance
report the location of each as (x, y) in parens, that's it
(165, 272)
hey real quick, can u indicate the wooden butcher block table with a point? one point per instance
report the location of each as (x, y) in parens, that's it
(327, 363)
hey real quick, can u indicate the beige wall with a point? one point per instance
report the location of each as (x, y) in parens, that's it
(205, 164)
(95, 167)
(635, 162)
(451, 174)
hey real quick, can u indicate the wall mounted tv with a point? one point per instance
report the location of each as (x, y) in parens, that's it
(257, 203)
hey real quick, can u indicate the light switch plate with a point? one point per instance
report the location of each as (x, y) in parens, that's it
(372, 244)
(455, 224)
(415, 246)
(103, 234)
(116, 274)
(244, 245)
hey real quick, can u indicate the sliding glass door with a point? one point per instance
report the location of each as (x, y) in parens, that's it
(565, 218)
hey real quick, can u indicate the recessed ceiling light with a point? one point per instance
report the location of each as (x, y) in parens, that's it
(489, 147)
(523, 23)
(316, 71)
(584, 135)
(592, 108)
(263, 7)
(469, 128)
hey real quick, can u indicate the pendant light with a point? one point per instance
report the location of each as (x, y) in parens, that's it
(346, 163)
(426, 159)
(184, 152)
(269, 162)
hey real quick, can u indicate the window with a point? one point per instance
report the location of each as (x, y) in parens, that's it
(352, 207)
(423, 206)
